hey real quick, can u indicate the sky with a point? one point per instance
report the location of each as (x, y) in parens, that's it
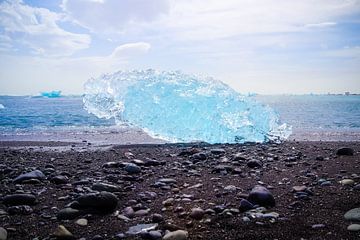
(257, 46)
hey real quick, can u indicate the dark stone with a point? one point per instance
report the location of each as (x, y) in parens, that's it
(217, 151)
(132, 168)
(157, 218)
(103, 201)
(21, 210)
(345, 151)
(59, 179)
(37, 174)
(199, 156)
(261, 196)
(254, 163)
(245, 205)
(19, 199)
(105, 187)
(68, 214)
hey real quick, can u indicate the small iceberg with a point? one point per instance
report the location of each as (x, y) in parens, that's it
(2, 106)
(180, 107)
(51, 94)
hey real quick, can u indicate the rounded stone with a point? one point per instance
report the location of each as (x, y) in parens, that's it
(347, 182)
(261, 196)
(3, 234)
(197, 213)
(353, 214)
(103, 201)
(19, 199)
(132, 168)
(354, 227)
(62, 233)
(345, 151)
(82, 222)
(254, 163)
(176, 235)
(37, 174)
(68, 214)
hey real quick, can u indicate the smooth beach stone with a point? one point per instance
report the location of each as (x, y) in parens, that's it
(105, 187)
(217, 151)
(176, 235)
(132, 168)
(347, 182)
(153, 235)
(82, 222)
(37, 174)
(345, 151)
(3, 234)
(354, 227)
(19, 199)
(353, 214)
(68, 214)
(197, 213)
(62, 233)
(261, 196)
(254, 163)
(60, 179)
(157, 218)
(245, 205)
(167, 180)
(103, 201)
(134, 230)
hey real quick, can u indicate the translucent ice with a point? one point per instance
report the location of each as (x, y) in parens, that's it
(181, 107)
(51, 94)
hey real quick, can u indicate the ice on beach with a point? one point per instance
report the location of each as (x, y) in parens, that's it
(182, 108)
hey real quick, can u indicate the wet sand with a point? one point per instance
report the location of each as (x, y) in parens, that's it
(214, 178)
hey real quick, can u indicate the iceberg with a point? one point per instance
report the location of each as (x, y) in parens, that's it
(51, 94)
(180, 107)
(2, 106)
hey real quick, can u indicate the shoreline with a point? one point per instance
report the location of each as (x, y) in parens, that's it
(210, 177)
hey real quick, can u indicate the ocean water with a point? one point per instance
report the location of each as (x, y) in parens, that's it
(312, 117)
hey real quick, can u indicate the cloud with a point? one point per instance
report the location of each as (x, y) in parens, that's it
(130, 50)
(38, 29)
(65, 73)
(113, 15)
(320, 25)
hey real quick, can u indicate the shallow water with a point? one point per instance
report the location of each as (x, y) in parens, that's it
(334, 118)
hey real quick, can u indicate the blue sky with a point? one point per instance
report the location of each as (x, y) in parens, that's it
(263, 46)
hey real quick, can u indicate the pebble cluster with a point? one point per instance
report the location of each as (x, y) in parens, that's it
(169, 192)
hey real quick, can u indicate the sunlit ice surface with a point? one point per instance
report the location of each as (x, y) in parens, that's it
(180, 107)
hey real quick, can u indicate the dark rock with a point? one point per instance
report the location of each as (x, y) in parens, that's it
(68, 214)
(19, 199)
(222, 169)
(245, 205)
(132, 168)
(261, 196)
(254, 163)
(199, 156)
(59, 179)
(103, 201)
(21, 210)
(37, 174)
(157, 218)
(105, 187)
(217, 151)
(111, 165)
(197, 213)
(345, 151)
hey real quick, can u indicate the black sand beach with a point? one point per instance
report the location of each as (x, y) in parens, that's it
(198, 188)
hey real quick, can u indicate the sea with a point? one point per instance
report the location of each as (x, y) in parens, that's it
(28, 118)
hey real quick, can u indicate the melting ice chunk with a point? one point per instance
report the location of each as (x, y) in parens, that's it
(182, 108)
